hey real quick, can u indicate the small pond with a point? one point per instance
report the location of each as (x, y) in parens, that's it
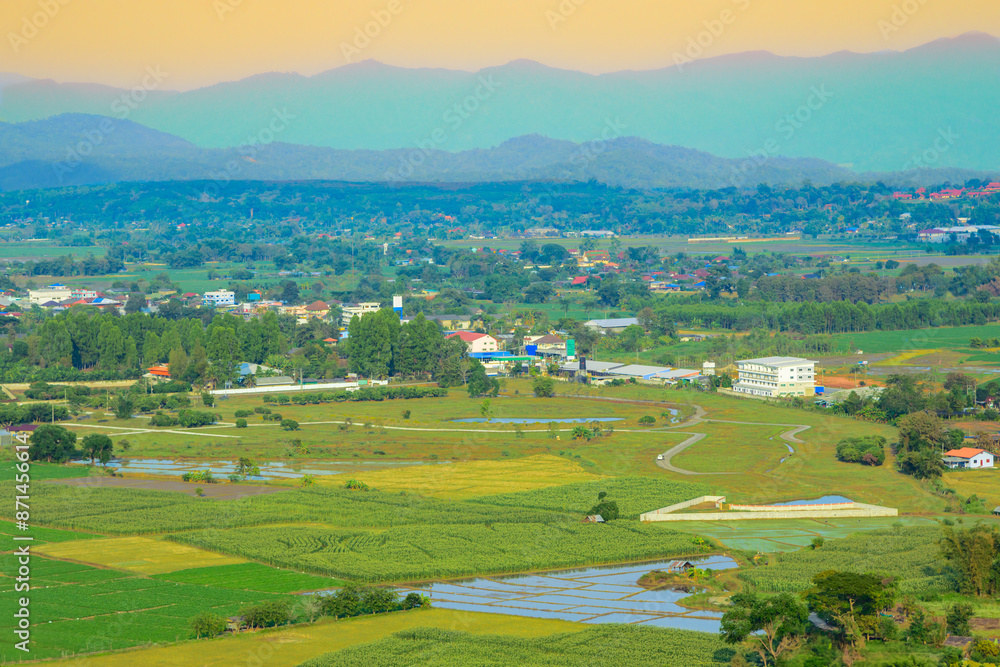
(518, 420)
(825, 500)
(592, 595)
(274, 470)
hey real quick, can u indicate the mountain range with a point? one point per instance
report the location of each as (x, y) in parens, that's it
(934, 106)
(81, 149)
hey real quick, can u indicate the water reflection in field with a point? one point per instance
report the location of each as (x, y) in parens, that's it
(592, 595)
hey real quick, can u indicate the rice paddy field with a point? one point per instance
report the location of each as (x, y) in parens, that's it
(488, 498)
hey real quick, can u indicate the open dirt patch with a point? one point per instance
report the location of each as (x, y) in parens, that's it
(224, 491)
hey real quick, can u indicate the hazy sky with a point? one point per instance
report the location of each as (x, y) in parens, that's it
(200, 42)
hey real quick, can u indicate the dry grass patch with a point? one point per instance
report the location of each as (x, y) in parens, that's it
(136, 554)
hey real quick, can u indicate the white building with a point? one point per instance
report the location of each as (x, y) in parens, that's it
(776, 376)
(83, 293)
(478, 343)
(349, 310)
(219, 298)
(55, 293)
(968, 457)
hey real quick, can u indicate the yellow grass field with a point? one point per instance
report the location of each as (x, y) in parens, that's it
(904, 357)
(983, 483)
(281, 648)
(479, 478)
(136, 554)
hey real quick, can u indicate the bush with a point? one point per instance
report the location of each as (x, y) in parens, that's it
(195, 418)
(207, 624)
(243, 413)
(171, 387)
(241, 423)
(289, 425)
(608, 509)
(867, 450)
(355, 485)
(262, 410)
(161, 419)
(544, 387)
(647, 420)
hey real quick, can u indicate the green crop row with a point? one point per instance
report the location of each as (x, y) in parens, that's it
(910, 553)
(437, 551)
(136, 511)
(602, 645)
(634, 495)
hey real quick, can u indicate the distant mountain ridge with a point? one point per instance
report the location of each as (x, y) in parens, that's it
(868, 112)
(80, 149)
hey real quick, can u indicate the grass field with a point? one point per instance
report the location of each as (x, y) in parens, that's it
(43, 250)
(252, 577)
(288, 647)
(76, 608)
(634, 495)
(136, 554)
(983, 483)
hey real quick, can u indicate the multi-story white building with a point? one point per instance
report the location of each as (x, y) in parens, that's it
(51, 293)
(349, 310)
(219, 298)
(83, 293)
(776, 376)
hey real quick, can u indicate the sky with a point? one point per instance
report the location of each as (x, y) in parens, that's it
(201, 42)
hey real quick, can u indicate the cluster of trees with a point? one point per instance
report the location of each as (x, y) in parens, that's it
(55, 444)
(775, 627)
(378, 346)
(869, 450)
(349, 601)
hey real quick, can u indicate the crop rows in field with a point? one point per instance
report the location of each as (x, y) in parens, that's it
(109, 609)
(436, 551)
(601, 645)
(252, 577)
(909, 553)
(8, 528)
(634, 495)
(120, 511)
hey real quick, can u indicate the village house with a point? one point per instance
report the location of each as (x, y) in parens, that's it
(968, 457)
(478, 343)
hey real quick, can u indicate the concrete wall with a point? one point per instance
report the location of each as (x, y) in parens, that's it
(681, 506)
(293, 388)
(860, 510)
(791, 508)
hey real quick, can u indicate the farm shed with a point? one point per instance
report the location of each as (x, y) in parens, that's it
(679, 566)
(593, 518)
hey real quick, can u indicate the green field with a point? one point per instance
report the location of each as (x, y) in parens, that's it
(21, 250)
(252, 577)
(910, 553)
(435, 551)
(606, 644)
(75, 609)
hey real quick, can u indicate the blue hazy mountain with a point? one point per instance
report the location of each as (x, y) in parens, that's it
(873, 111)
(79, 149)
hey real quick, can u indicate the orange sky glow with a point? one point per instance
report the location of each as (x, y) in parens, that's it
(201, 42)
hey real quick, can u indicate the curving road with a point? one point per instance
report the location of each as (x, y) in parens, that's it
(700, 416)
